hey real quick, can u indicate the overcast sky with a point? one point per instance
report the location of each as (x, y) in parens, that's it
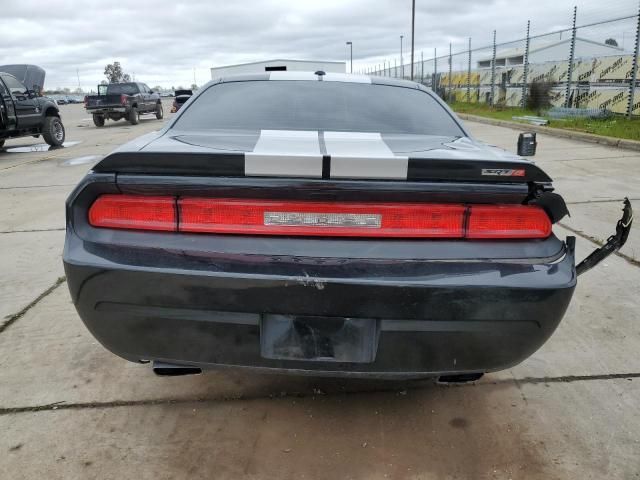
(163, 41)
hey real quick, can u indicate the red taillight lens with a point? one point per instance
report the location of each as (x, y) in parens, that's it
(134, 212)
(346, 219)
(86, 100)
(123, 99)
(509, 221)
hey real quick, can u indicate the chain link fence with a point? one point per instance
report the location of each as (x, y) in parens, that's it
(589, 67)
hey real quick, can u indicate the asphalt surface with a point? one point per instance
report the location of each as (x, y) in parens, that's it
(71, 410)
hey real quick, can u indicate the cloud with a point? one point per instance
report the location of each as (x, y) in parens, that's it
(162, 41)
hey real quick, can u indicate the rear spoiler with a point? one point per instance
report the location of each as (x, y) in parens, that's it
(194, 161)
(613, 244)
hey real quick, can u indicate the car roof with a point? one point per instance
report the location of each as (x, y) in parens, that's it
(326, 77)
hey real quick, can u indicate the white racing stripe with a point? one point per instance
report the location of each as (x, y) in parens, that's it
(363, 155)
(285, 153)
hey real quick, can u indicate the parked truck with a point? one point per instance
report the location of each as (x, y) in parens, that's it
(127, 101)
(23, 111)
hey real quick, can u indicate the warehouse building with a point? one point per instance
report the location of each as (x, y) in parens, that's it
(550, 51)
(278, 65)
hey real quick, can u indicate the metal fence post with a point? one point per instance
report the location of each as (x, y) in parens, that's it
(421, 67)
(434, 83)
(450, 73)
(525, 66)
(395, 68)
(572, 51)
(469, 75)
(634, 70)
(493, 72)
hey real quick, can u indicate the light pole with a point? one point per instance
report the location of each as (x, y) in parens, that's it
(351, 55)
(401, 62)
(413, 32)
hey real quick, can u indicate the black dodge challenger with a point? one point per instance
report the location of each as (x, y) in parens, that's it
(323, 224)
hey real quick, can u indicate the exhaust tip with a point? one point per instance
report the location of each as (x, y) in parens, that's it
(461, 378)
(173, 370)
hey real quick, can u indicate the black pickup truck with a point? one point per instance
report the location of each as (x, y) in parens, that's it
(23, 112)
(123, 101)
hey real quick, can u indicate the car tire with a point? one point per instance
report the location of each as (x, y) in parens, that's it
(1, 143)
(98, 120)
(159, 111)
(134, 116)
(53, 131)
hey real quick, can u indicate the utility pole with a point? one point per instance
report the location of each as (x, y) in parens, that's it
(78, 74)
(434, 85)
(469, 75)
(450, 72)
(351, 55)
(413, 32)
(401, 60)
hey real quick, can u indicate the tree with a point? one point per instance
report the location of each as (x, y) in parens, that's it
(157, 89)
(611, 41)
(115, 74)
(194, 87)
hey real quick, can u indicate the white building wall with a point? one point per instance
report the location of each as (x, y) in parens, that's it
(561, 52)
(292, 66)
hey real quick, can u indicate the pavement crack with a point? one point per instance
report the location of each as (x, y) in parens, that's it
(23, 187)
(396, 388)
(11, 319)
(600, 243)
(610, 200)
(571, 378)
(34, 230)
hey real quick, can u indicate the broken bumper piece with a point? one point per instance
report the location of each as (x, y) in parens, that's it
(614, 242)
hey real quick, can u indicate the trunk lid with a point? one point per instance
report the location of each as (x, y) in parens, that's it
(322, 155)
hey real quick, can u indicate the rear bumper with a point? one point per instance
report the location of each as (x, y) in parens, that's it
(428, 317)
(106, 109)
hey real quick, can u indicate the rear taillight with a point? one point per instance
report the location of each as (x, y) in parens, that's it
(86, 100)
(320, 218)
(507, 221)
(333, 219)
(134, 212)
(123, 99)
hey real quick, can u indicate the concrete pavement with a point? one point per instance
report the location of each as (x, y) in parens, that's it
(70, 409)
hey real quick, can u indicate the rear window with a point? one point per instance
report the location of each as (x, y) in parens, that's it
(315, 105)
(122, 88)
